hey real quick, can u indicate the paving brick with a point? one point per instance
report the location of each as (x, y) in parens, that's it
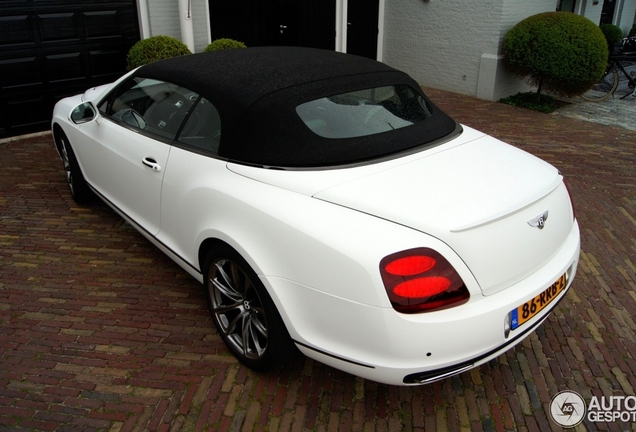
(99, 330)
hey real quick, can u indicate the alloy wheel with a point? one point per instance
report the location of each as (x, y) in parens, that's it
(238, 309)
(67, 165)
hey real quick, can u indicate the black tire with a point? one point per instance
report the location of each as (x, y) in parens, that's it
(80, 191)
(243, 312)
(604, 88)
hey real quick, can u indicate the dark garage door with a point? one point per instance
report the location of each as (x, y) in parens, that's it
(50, 49)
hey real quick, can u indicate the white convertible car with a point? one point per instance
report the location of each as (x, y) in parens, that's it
(328, 206)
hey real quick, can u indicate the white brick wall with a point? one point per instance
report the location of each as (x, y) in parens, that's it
(448, 44)
(201, 24)
(164, 20)
(627, 16)
(623, 13)
(592, 11)
(442, 43)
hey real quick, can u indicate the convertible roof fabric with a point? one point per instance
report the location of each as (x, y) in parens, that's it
(257, 90)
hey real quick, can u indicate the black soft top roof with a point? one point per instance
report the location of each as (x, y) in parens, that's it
(257, 90)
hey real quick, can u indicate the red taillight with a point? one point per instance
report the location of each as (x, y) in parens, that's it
(422, 287)
(421, 280)
(410, 265)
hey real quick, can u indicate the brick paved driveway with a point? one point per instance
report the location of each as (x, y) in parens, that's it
(100, 331)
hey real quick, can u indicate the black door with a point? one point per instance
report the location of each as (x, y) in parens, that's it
(362, 27)
(317, 24)
(310, 23)
(236, 19)
(607, 13)
(281, 22)
(56, 48)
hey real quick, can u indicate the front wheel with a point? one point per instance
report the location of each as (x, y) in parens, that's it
(80, 191)
(604, 88)
(244, 313)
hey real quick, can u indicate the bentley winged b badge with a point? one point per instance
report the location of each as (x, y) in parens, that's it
(539, 221)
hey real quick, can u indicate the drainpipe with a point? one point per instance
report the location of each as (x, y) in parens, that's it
(341, 25)
(144, 22)
(185, 20)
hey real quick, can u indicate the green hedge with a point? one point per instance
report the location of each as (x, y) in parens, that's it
(155, 48)
(224, 44)
(613, 33)
(560, 52)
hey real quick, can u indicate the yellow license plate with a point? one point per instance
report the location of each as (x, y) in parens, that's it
(531, 308)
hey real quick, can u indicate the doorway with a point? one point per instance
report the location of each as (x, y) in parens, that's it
(344, 25)
(362, 27)
(607, 13)
(275, 22)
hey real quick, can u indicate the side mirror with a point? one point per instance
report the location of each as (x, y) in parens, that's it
(83, 113)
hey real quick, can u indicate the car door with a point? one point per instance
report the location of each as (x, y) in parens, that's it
(128, 148)
(190, 197)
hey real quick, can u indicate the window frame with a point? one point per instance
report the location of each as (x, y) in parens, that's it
(192, 147)
(105, 107)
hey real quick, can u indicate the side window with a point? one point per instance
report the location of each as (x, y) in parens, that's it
(150, 105)
(203, 128)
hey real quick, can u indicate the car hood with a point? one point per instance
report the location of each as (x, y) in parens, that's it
(476, 194)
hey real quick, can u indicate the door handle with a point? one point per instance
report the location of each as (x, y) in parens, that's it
(151, 163)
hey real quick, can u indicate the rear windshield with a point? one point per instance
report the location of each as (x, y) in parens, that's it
(346, 120)
(364, 112)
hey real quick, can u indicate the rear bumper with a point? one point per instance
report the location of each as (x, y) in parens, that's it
(382, 345)
(430, 376)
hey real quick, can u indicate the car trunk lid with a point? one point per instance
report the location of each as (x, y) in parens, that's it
(481, 198)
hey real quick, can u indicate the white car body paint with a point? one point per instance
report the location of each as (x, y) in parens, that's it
(315, 237)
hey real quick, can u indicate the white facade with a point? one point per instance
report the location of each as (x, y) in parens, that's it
(162, 17)
(453, 45)
(624, 18)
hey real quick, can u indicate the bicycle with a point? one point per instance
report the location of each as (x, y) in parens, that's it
(612, 83)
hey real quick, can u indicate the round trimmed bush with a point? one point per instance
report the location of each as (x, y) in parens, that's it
(224, 44)
(613, 33)
(632, 32)
(559, 52)
(155, 48)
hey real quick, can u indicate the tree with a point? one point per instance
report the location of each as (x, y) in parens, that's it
(559, 52)
(155, 48)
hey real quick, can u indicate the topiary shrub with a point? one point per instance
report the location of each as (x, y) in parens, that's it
(613, 33)
(632, 32)
(155, 48)
(224, 44)
(559, 52)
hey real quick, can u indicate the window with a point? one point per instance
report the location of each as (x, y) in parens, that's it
(150, 105)
(366, 112)
(202, 130)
